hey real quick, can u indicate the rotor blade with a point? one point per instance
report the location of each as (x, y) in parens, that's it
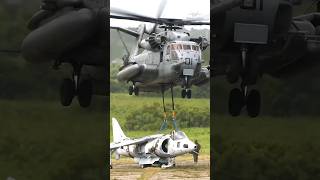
(161, 8)
(122, 14)
(123, 43)
(127, 31)
(158, 15)
(196, 23)
(181, 22)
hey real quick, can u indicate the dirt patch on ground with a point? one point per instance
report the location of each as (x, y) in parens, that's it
(126, 168)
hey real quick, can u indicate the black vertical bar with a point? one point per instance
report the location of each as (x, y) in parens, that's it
(107, 132)
(261, 5)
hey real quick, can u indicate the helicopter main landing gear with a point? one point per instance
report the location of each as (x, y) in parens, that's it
(133, 90)
(239, 98)
(186, 93)
(82, 88)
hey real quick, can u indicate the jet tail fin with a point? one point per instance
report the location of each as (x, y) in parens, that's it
(118, 134)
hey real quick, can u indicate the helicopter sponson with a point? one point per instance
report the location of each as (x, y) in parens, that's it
(130, 72)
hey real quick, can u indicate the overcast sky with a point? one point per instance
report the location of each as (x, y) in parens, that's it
(180, 9)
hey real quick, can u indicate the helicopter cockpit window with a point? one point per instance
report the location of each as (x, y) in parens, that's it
(195, 48)
(174, 46)
(174, 55)
(186, 47)
(173, 50)
(168, 50)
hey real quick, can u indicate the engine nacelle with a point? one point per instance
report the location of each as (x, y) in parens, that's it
(162, 147)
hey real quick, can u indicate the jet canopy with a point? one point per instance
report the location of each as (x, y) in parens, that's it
(178, 135)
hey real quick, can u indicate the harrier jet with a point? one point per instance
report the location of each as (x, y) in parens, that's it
(153, 150)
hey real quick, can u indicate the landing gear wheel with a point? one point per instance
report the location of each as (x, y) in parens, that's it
(130, 90)
(136, 91)
(253, 103)
(67, 92)
(183, 93)
(236, 102)
(189, 92)
(144, 165)
(85, 93)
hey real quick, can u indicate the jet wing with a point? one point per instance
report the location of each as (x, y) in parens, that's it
(127, 31)
(127, 142)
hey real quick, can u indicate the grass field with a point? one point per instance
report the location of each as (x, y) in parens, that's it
(286, 131)
(125, 168)
(42, 140)
(266, 148)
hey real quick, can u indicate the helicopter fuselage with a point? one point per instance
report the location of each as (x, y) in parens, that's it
(178, 63)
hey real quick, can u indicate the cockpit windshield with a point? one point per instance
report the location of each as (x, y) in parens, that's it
(174, 49)
(179, 135)
(176, 46)
(186, 47)
(195, 48)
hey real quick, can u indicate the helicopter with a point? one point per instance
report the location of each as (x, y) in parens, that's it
(164, 55)
(70, 32)
(255, 37)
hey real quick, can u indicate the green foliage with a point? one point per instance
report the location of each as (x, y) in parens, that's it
(267, 161)
(142, 113)
(266, 148)
(149, 118)
(41, 140)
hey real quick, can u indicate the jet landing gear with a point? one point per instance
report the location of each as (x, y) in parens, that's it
(133, 90)
(82, 88)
